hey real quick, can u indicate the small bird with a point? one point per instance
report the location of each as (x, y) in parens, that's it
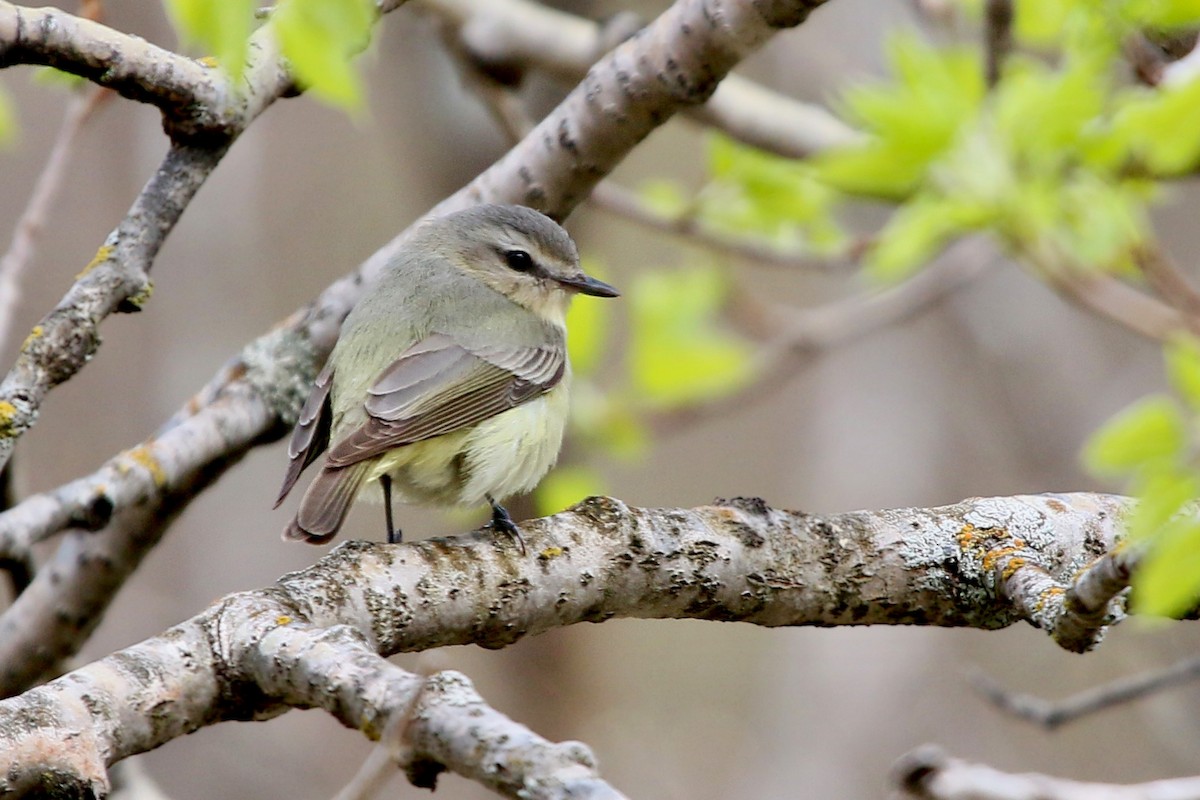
(448, 384)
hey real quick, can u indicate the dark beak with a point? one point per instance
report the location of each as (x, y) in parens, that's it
(586, 284)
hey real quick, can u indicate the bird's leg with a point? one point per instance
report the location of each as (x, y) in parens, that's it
(503, 523)
(394, 534)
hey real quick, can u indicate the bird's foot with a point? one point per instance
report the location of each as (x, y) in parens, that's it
(503, 523)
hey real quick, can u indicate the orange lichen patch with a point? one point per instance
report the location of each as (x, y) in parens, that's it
(142, 456)
(33, 336)
(283, 619)
(1057, 505)
(966, 536)
(7, 412)
(992, 556)
(103, 254)
(1011, 568)
(550, 552)
(1046, 595)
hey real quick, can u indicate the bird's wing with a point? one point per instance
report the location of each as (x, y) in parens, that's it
(310, 437)
(438, 386)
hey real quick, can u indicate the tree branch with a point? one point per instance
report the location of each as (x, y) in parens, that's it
(312, 639)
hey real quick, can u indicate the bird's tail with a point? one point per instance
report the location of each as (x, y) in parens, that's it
(325, 503)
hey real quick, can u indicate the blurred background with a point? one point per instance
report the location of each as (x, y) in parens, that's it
(991, 392)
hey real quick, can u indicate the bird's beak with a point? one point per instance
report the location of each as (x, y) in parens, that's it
(586, 284)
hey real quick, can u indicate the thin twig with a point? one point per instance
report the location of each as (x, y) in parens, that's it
(20, 253)
(1054, 714)
(1165, 276)
(614, 199)
(803, 336)
(998, 38)
(1120, 302)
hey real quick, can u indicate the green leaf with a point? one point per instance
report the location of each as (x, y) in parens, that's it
(917, 232)
(1148, 432)
(678, 353)
(912, 121)
(1167, 582)
(1182, 355)
(320, 39)
(1157, 127)
(220, 26)
(1161, 494)
(758, 192)
(1162, 14)
(587, 327)
(566, 486)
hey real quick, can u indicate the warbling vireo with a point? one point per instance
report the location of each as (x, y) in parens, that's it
(449, 381)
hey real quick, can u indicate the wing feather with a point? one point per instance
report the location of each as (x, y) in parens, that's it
(439, 386)
(310, 437)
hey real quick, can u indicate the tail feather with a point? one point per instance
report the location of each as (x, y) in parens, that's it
(326, 503)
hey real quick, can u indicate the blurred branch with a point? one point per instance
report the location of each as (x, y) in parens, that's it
(1120, 302)
(997, 38)
(1170, 282)
(931, 774)
(20, 252)
(1052, 715)
(520, 32)
(314, 638)
(796, 338)
(614, 199)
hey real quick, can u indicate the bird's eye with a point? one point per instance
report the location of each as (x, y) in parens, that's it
(518, 260)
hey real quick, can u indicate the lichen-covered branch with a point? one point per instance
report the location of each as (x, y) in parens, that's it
(128, 64)
(129, 502)
(313, 638)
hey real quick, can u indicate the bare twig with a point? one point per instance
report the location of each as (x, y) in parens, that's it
(795, 339)
(1054, 714)
(20, 251)
(931, 774)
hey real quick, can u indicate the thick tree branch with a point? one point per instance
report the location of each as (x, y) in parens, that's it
(311, 640)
